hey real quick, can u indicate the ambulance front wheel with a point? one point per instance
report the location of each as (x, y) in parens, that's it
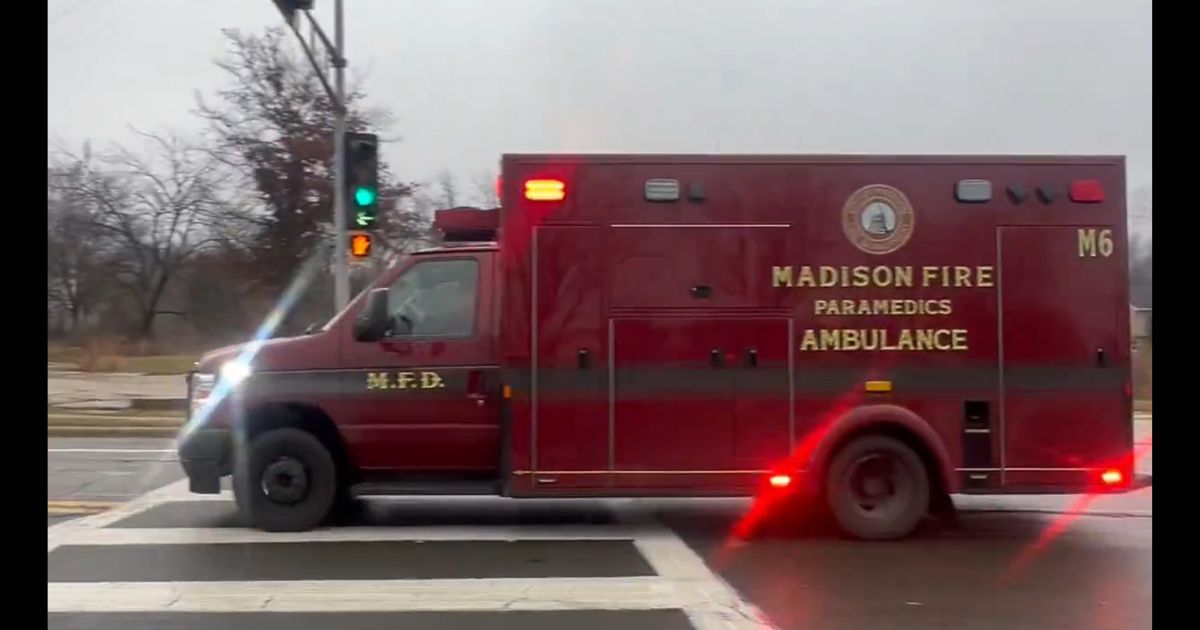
(877, 488)
(285, 481)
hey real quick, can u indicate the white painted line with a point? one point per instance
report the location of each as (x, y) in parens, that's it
(225, 496)
(620, 593)
(721, 606)
(1064, 512)
(684, 581)
(122, 451)
(183, 536)
(62, 532)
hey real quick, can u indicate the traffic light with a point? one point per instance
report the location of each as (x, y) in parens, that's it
(360, 246)
(362, 180)
(289, 7)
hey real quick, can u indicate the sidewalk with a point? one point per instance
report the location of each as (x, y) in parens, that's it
(71, 389)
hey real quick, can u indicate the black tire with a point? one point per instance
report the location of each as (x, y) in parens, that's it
(877, 488)
(347, 509)
(265, 496)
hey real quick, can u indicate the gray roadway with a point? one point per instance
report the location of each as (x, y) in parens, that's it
(106, 469)
(1009, 562)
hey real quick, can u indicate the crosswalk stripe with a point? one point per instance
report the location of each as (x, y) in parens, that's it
(189, 535)
(723, 607)
(623, 593)
(115, 451)
(682, 581)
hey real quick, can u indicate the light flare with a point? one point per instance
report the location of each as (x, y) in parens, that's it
(1061, 522)
(235, 371)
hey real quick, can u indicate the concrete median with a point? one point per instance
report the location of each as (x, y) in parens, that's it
(111, 432)
(97, 420)
(98, 425)
(158, 404)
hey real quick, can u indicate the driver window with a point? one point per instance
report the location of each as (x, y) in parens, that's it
(434, 299)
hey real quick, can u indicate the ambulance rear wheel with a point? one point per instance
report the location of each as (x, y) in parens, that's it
(877, 488)
(286, 481)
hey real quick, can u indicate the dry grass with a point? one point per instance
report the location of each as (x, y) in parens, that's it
(103, 354)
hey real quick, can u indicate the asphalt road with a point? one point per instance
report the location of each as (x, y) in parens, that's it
(85, 474)
(465, 563)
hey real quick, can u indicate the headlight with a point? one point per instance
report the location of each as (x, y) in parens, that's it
(202, 388)
(234, 372)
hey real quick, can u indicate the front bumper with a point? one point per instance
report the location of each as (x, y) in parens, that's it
(205, 455)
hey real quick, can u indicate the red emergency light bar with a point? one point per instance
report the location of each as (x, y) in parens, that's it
(1086, 191)
(467, 224)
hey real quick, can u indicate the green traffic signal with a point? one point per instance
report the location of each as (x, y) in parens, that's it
(364, 196)
(361, 190)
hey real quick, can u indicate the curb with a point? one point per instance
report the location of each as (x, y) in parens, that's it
(1097, 513)
(86, 420)
(159, 404)
(111, 431)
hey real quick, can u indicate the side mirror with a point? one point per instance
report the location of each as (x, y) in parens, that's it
(372, 322)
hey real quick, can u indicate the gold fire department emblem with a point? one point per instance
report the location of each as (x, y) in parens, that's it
(878, 219)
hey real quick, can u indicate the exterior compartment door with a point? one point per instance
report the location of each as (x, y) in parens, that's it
(673, 395)
(571, 422)
(698, 402)
(1064, 353)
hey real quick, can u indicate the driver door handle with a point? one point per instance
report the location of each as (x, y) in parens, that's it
(395, 346)
(476, 387)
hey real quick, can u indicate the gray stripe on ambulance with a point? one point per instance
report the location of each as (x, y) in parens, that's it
(692, 380)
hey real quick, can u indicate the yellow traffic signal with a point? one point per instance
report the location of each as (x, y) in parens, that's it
(360, 245)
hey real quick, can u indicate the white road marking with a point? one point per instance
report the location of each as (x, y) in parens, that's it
(229, 535)
(683, 580)
(721, 606)
(624, 593)
(114, 451)
(60, 533)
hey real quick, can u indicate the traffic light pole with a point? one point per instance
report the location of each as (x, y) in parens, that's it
(337, 95)
(341, 273)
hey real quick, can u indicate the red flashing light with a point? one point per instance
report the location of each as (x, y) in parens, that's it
(545, 190)
(780, 481)
(1086, 191)
(1111, 477)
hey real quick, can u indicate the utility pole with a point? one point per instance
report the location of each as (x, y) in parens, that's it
(337, 95)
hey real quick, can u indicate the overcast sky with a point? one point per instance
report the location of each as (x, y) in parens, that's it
(471, 79)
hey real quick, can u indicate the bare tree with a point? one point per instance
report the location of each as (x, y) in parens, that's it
(274, 123)
(75, 256)
(154, 213)
(445, 191)
(483, 189)
(407, 228)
